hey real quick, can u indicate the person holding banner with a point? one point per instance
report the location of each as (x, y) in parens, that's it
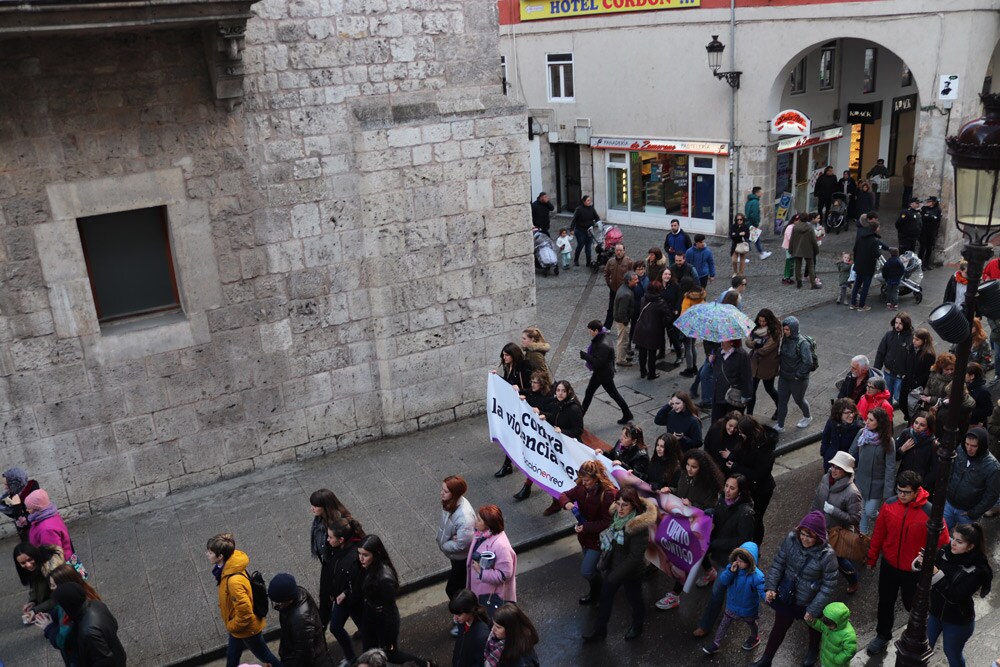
(622, 561)
(664, 463)
(600, 358)
(681, 417)
(630, 451)
(540, 397)
(516, 372)
(800, 583)
(590, 501)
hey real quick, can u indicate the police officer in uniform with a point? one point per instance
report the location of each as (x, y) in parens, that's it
(931, 217)
(908, 226)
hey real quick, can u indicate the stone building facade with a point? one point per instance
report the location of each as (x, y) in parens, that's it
(348, 242)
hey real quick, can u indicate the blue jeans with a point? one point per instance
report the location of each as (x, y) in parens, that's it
(847, 569)
(955, 638)
(860, 292)
(257, 646)
(714, 606)
(582, 243)
(954, 516)
(588, 566)
(338, 617)
(869, 514)
(894, 384)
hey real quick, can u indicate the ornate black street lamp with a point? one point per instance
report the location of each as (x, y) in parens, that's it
(715, 49)
(975, 155)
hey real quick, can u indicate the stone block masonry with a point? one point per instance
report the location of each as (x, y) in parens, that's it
(348, 245)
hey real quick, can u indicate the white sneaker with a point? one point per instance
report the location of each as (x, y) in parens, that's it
(779, 428)
(765, 254)
(805, 421)
(668, 601)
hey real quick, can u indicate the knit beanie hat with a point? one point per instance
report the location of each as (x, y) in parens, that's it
(37, 500)
(815, 523)
(282, 588)
(71, 597)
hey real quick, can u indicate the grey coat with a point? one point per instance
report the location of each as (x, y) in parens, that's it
(794, 354)
(975, 483)
(455, 530)
(845, 498)
(814, 571)
(875, 470)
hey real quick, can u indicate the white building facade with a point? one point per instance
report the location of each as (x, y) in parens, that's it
(623, 104)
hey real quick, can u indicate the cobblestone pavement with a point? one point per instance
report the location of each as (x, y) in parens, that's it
(148, 561)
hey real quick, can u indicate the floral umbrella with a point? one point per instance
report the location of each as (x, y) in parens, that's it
(715, 322)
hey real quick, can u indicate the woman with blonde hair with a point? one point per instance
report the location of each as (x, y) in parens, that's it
(590, 501)
(535, 348)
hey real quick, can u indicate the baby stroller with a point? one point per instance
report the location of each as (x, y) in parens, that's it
(546, 257)
(913, 275)
(606, 237)
(836, 217)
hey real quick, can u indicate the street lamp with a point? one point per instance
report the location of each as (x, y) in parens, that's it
(975, 156)
(715, 49)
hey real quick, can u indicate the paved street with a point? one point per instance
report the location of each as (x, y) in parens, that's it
(148, 561)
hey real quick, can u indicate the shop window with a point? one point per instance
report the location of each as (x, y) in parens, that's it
(503, 74)
(827, 64)
(665, 184)
(797, 79)
(560, 66)
(129, 263)
(905, 77)
(618, 181)
(871, 63)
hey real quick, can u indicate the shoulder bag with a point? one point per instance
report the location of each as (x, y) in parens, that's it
(849, 543)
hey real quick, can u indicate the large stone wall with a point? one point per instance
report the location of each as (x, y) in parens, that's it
(350, 244)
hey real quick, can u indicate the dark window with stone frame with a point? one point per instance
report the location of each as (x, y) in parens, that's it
(129, 263)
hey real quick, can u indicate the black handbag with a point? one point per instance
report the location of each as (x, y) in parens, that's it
(491, 602)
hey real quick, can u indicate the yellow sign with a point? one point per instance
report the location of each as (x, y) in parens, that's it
(536, 10)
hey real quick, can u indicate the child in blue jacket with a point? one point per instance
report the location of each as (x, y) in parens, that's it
(744, 584)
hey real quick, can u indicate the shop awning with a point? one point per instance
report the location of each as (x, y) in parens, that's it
(794, 143)
(660, 145)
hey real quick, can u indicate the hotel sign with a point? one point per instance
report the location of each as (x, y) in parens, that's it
(537, 10)
(660, 145)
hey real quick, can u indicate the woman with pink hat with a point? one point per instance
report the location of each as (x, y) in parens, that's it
(46, 526)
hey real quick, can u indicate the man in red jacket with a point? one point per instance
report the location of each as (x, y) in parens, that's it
(900, 534)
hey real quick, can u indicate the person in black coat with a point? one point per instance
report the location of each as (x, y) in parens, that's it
(664, 468)
(723, 437)
(930, 223)
(753, 458)
(540, 210)
(567, 415)
(473, 629)
(976, 384)
(848, 186)
(840, 429)
(908, 226)
(94, 637)
(340, 582)
(630, 451)
(826, 185)
(584, 218)
(919, 359)
(600, 358)
(303, 639)
(915, 449)
(867, 249)
(681, 418)
(516, 371)
(731, 368)
(654, 314)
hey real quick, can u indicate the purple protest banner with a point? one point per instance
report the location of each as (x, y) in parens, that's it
(680, 539)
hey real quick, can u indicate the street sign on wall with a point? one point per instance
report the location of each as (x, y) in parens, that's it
(537, 10)
(948, 87)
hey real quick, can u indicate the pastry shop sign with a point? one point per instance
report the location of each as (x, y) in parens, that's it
(660, 145)
(791, 123)
(537, 10)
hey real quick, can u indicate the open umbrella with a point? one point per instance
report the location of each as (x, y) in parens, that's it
(715, 322)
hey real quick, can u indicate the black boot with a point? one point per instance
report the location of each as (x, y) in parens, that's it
(633, 633)
(593, 596)
(505, 469)
(594, 634)
(812, 655)
(763, 662)
(523, 493)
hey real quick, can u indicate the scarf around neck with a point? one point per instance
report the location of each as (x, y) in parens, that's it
(615, 533)
(868, 438)
(47, 512)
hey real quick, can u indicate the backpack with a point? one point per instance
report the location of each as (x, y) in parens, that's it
(258, 593)
(812, 350)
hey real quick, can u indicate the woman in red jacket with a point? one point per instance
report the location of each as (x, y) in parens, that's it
(590, 500)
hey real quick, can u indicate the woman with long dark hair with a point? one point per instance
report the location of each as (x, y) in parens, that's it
(630, 451)
(875, 472)
(739, 232)
(341, 583)
(840, 430)
(473, 629)
(763, 343)
(33, 565)
(915, 449)
(512, 640)
(326, 508)
(723, 437)
(516, 372)
(624, 541)
(753, 457)
(590, 501)
(960, 571)
(664, 463)
(455, 529)
(654, 316)
(379, 590)
(57, 626)
(541, 397)
(681, 418)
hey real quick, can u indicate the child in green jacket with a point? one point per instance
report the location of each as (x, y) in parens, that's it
(840, 642)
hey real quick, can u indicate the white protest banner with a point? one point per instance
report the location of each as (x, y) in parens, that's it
(550, 459)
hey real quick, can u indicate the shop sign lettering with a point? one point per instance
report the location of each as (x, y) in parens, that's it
(536, 10)
(660, 145)
(791, 122)
(901, 104)
(812, 139)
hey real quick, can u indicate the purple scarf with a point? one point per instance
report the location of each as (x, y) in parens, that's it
(590, 348)
(47, 512)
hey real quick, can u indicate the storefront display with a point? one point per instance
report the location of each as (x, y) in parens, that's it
(800, 162)
(656, 184)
